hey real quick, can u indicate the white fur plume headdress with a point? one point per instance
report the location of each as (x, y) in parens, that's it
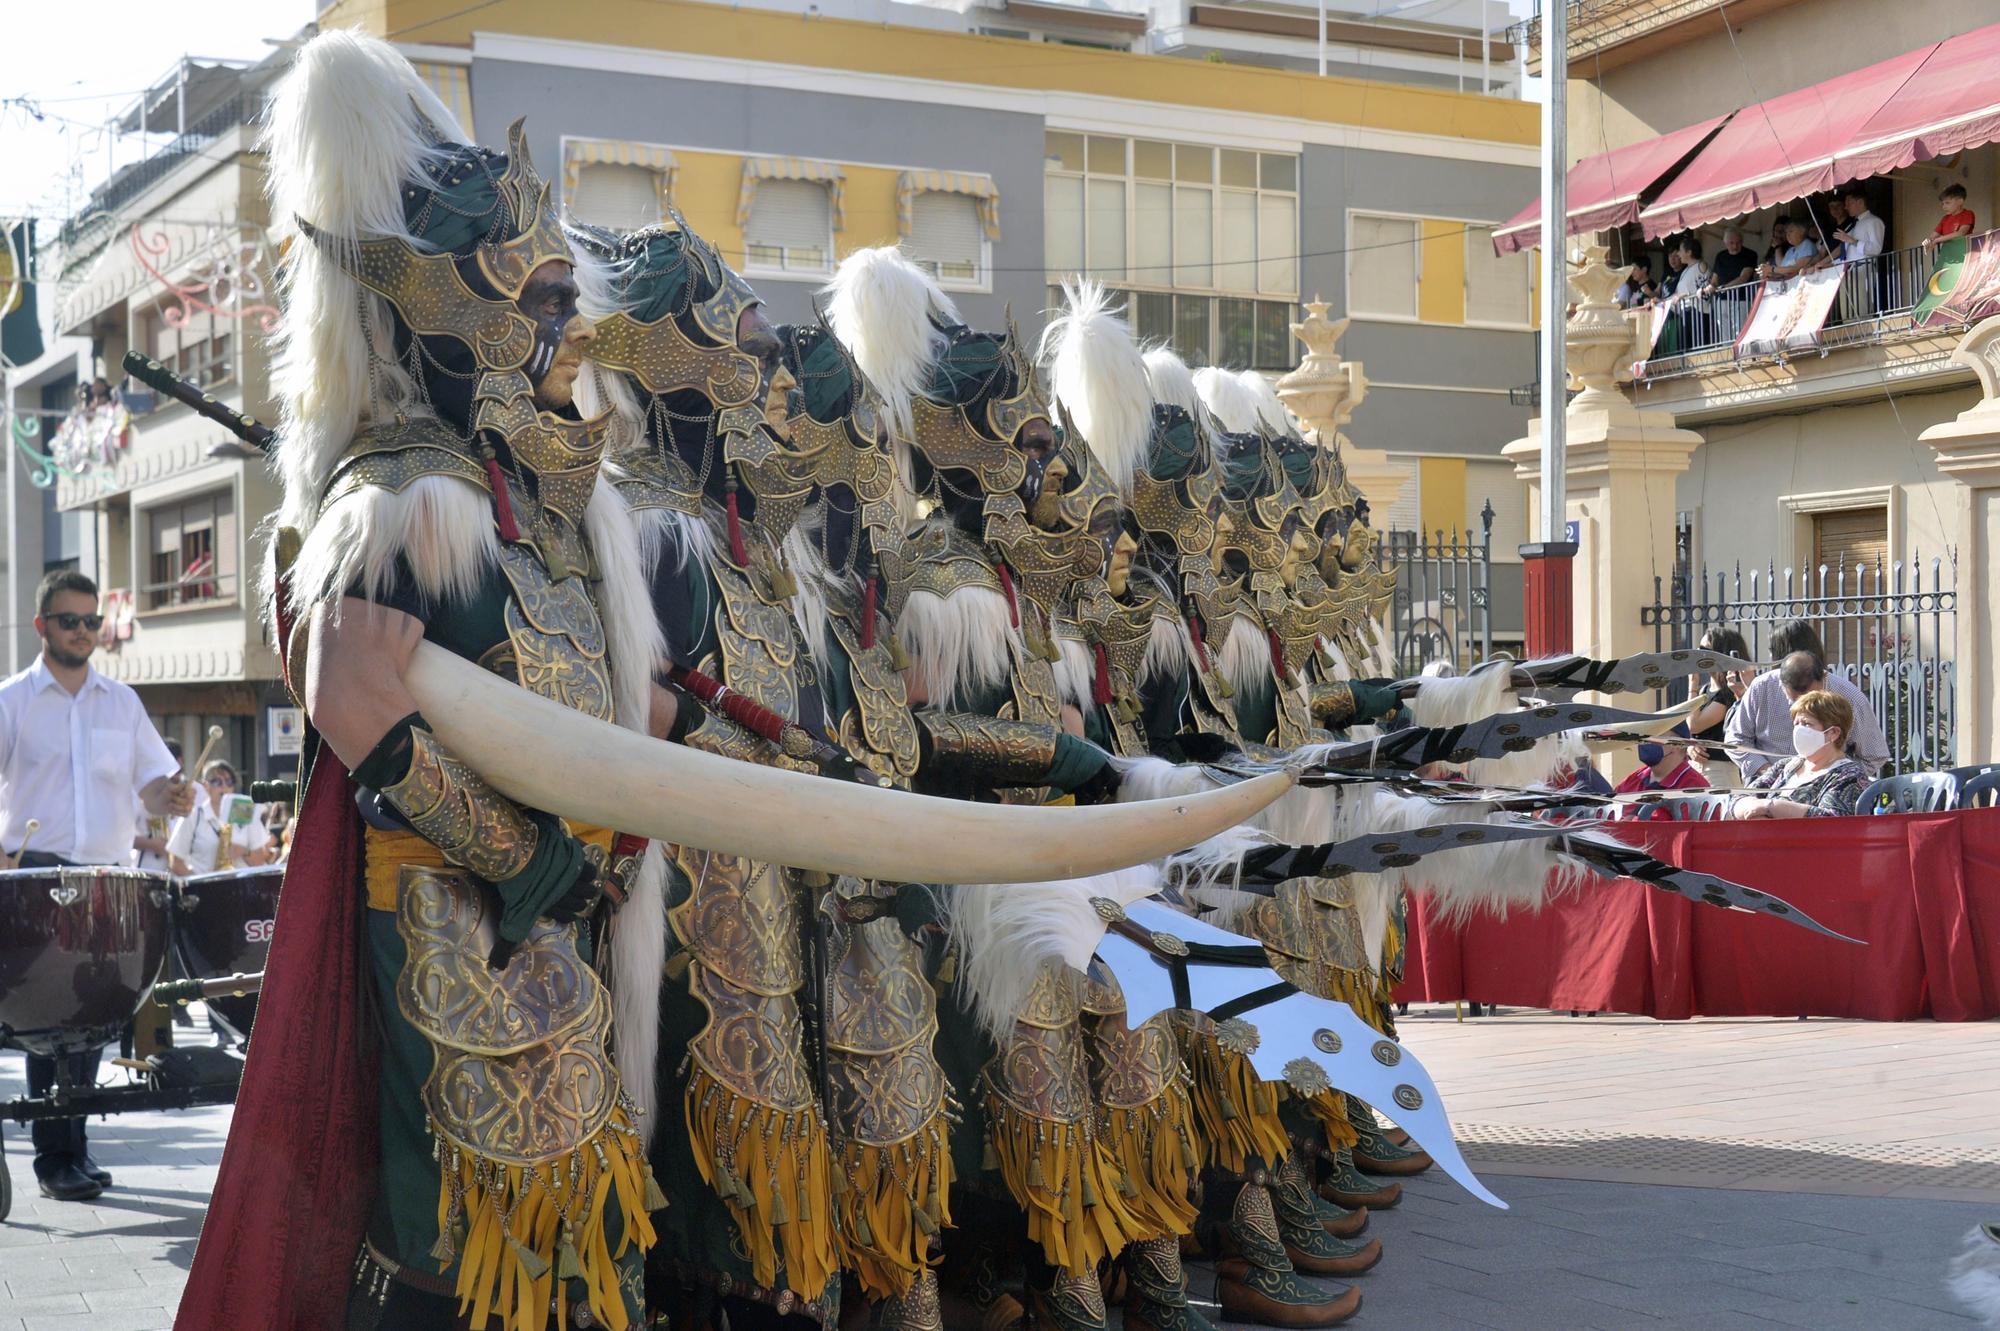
(349, 125)
(885, 311)
(1099, 377)
(1228, 399)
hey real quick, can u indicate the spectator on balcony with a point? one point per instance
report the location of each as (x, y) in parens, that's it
(1774, 254)
(1761, 723)
(1824, 780)
(1860, 238)
(1958, 220)
(1800, 253)
(1735, 264)
(1694, 273)
(1638, 288)
(1670, 282)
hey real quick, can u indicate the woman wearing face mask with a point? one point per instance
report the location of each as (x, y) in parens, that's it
(1823, 781)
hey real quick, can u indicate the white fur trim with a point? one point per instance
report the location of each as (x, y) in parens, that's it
(633, 641)
(1008, 932)
(638, 948)
(1099, 377)
(1075, 672)
(958, 646)
(1169, 649)
(441, 525)
(1245, 660)
(880, 306)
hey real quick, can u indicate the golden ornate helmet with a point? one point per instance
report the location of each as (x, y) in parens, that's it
(480, 224)
(983, 395)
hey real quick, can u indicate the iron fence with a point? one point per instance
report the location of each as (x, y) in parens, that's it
(1888, 629)
(1443, 606)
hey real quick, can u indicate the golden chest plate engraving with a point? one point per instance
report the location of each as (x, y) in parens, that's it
(557, 637)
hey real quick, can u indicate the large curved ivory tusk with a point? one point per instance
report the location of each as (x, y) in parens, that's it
(551, 758)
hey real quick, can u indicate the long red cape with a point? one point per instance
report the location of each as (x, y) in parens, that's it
(298, 1174)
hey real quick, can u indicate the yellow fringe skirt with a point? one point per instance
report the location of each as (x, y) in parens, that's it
(889, 1202)
(1154, 1147)
(528, 1227)
(771, 1168)
(1062, 1175)
(1330, 1109)
(1235, 1109)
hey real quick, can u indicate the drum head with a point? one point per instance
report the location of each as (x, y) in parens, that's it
(80, 949)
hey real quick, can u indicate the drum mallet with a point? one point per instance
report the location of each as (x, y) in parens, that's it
(207, 751)
(34, 825)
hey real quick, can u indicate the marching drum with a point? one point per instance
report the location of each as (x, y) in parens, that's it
(80, 949)
(224, 927)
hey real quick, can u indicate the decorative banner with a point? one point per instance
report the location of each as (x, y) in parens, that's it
(20, 325)
(1966, 286)
(1788, 315)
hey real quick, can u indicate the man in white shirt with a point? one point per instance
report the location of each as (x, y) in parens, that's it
(76, 749)
(1860, 239)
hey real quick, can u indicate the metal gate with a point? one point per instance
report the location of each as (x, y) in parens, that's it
(1443, 607)
(1887, 629)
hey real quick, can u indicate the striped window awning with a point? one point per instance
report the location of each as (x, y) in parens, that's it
(453, 85)
(981, 187)
(579, 153)
(759, 169)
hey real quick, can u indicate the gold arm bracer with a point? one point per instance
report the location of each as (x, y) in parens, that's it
(451, 806)
(989, 750)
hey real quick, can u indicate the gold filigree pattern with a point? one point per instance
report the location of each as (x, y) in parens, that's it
(665, 360)
(991, 750)
(754, 1043)
(559, 648)
(452, 807)
(449, 992)
(526, 1108)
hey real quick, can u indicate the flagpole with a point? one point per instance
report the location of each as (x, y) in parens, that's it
(1547, 565)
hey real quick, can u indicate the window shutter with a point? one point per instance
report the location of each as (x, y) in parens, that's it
(618, 195)
(792, 215)
(945, 230)
(1857, 537)
(1382, 268)
(1496, 288)
(1407, 513)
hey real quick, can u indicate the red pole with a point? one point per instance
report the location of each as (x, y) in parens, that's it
(1546, 569)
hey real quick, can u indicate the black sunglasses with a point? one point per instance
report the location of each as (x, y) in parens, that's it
(70, 623)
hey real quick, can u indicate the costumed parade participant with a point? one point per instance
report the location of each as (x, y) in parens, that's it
(1003, 516)
(1147, 680)
(840, 1071)
(431, 1132)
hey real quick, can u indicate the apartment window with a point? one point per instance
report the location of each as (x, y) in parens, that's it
(191, 551)
(1210, 330)
(1171, 215)
(1382, 266)
(1850, 537)
(789, 209)
(791, 228)
(1498, 290)
(945, 238)
(948, 221)
(200, 350)
(617, 183)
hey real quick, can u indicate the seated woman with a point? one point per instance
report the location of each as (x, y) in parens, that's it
(1823, 781)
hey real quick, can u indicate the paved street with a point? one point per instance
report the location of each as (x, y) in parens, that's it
(1714, 1174)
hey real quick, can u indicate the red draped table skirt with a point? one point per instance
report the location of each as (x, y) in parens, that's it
(1921, 890)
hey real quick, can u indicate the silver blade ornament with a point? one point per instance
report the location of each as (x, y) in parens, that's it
(1307, 1042)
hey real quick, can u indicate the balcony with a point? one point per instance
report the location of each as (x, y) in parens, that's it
(1869, 342)
(85, 233)
(1610, 33)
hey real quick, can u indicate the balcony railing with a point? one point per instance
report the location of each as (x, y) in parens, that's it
(136, 179)
(1874, 305)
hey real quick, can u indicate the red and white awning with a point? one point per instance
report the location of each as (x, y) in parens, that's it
(1608, 190)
